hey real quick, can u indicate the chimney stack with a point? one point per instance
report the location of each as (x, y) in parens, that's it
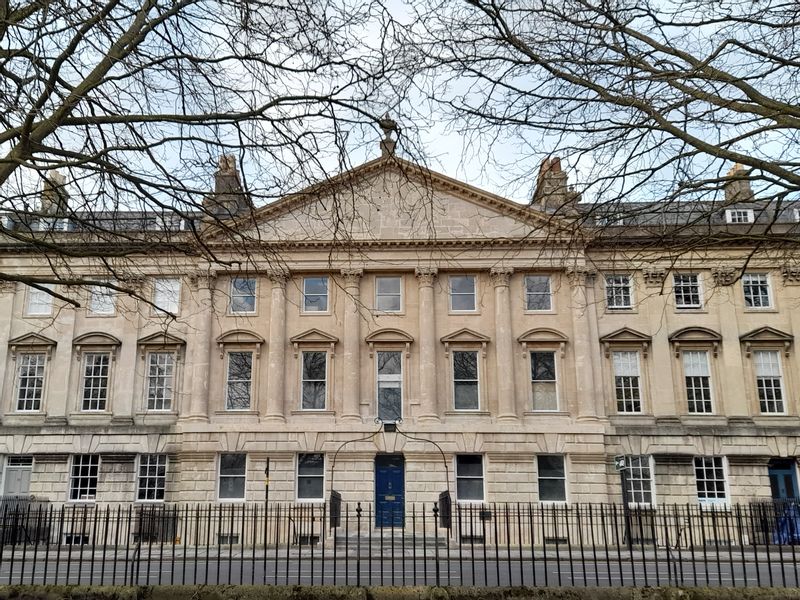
(228, 199)
(737, 188)
(54, 194)
(552, 193)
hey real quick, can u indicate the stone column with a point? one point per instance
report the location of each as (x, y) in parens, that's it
(277, 351)
(200, 363)
(504, 344)
(428, 410)
(584, 345)
(7, 291)
(351, 384)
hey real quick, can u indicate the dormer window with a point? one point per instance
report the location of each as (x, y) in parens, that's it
(736, 216)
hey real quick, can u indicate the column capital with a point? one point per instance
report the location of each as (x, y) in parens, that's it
(352, 275)
(426, 275)
(278, 277)
(581, 275)
(501, 276)
(202, 280)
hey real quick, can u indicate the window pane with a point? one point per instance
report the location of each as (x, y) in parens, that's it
(232, 464)
(463, 302)
(231, 487)
(550, 465)
(316, 285)
(469, 489)
(167, 294)
(315, 294)
(537, 292)
(314, 395)
(545, 396)
(388, 285)
(389, 363)
(465, 365)
(695, 364)
(469, 465)
(240, 366)
(462, 284)
(101, 300)
(626, 364)
(388, 303)
(314, 365)
(389, 401)
(310, 487)
(543, 366)
(466, 395)
(311, 464)
(552, 490)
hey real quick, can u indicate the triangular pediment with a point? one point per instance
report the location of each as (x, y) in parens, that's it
(766, 335)
(32, 340)
(96, 338)
(161, 339)
(314, 336)
(394, 201)
(625, 337)
(465, 335)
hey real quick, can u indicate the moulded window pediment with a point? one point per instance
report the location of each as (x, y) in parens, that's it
(389, 336)
(626, 337)
(313, 337)
(466, 337)
(32, 341)
(240, 336)
(542, 335)
(695, 335)
(767, 336)
(159, 340)
(96, 339)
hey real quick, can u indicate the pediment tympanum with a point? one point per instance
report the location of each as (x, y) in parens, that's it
(698, 336)
(543, 336)
(313, 337)
(159, 340)
(767, 337)
(389, 336)
(626, 337)
(397, 202)
(240, 337)
(31, 341)
(465, 337)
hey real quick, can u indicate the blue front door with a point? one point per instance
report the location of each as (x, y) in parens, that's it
(783, 479)
(390, 486)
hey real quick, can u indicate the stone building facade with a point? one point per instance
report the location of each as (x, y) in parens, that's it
(512, 353)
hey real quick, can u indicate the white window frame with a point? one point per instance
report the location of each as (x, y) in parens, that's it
(612, 286)
(526, 294)
(85, 378)
(234, 294)
(478, 357)
(297, 476)
(629, 480)
(326, 380)
(219, 477)
(165, 298)
(733, 216)
(460, 500)
(249, 381)
(327, 295)
(746, 282)
(73, 478)
(379, 295)
(389, 379)
(102, 301)
(796, 212)
(172, 381)
(140, 478)
(638, 376)
(39, 303)
(780, 378)
(474, 294)
(699, 285)
(565, 479)
(531, 352)
(706, 502)
(711, 394)
(20, 358)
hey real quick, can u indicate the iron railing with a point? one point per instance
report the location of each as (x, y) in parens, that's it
(470, 544)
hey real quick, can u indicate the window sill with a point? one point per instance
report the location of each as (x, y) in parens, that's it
(461, 313)
(237, 413)
(387, 313)
(90, 418)
(47, 316)
(22, 419)
(776, 420)
(631, 310)
(156, 418)
(539, 312)
(704, 420)
(691, 311)
(321, 412)
(545, 413)
(246, 315)
(632, 419)
(315, 313)
(100, 315)
(467, 413)
(770, 309)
